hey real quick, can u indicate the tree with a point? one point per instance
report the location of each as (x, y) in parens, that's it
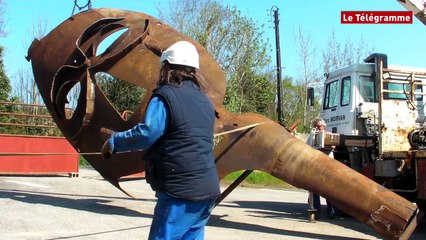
(25, 88)
(5, 87)
(26, 93)
(254, 96)
(235, 42)
(123, 95)
(336, 56)
(5, 91)
(294, 104)
(3, 32)
(309, 76)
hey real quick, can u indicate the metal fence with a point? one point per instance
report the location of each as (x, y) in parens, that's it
(26, 119)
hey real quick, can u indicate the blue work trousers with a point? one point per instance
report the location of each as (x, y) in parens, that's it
(179, 219)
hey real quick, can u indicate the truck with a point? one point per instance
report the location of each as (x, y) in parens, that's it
(375, 116)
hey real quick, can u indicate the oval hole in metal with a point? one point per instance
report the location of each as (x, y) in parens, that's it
(108, 41)
(72, 100)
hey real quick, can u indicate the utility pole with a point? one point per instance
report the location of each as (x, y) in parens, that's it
(278, 52)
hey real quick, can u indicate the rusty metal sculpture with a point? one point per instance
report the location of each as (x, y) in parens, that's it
(67, 57)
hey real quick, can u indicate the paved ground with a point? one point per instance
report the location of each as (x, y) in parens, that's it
(87, 207)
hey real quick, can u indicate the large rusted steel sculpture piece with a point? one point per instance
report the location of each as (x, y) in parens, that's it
(67, 56)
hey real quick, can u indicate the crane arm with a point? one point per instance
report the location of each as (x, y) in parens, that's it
(418, 7)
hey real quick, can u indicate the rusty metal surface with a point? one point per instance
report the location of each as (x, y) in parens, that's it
(67, 56)
(399, 117)
(396, 125)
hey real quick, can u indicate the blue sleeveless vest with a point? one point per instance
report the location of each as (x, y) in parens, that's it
(181, 162)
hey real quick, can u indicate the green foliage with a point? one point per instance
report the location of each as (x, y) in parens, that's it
(83, 162)
(27, 120)
(294, 104)
(123, 95)
(5, 88)
(20, 119)
(255, 96)
(257, 179)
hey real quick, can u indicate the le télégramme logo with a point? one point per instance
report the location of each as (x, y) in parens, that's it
(376, 17)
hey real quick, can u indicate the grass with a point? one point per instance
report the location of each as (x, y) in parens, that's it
(83, 162)
(257, 179)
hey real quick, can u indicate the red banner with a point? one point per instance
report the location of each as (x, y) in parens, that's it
(376, 17)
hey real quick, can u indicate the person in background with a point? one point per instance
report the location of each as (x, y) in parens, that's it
(177, 136)
(314, 201)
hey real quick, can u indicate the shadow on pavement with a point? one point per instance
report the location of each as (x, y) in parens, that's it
(261, 209)
(217, 221)
(89, 203)
(298, 212)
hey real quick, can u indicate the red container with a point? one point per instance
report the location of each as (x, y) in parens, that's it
(21, 154)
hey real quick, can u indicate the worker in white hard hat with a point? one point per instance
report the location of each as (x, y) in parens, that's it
(177, 136)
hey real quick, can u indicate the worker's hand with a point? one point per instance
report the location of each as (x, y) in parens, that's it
(106, 151)
(105, 133)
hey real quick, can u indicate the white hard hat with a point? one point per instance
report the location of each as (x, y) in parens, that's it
(181, 53)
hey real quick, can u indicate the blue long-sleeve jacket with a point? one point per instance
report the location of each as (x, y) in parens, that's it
(146, 133)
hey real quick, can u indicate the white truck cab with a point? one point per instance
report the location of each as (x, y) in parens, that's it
(349, 95)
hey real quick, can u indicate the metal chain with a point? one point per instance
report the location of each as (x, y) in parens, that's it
(88, 5)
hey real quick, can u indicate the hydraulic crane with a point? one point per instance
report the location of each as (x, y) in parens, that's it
(418, 7)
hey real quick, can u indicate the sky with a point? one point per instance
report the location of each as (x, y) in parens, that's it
(405, 44)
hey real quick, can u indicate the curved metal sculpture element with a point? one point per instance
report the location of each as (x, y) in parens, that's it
(67, 57)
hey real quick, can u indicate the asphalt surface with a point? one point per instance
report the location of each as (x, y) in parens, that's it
(87, 207)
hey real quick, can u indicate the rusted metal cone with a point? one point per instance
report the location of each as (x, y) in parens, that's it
(272, 149)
